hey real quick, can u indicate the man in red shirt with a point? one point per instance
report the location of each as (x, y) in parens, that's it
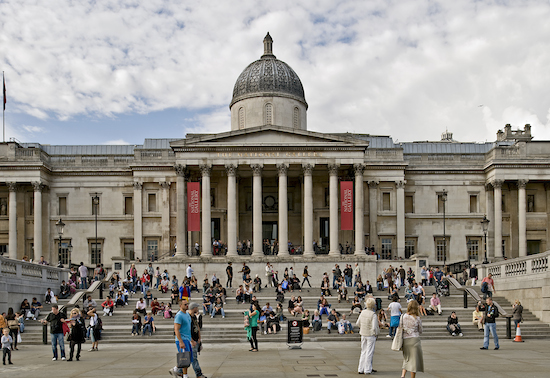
(490, 286)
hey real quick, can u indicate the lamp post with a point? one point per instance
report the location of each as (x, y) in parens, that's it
(485, 225)
(70, 252)
(95, 202)
(444, 200)
(468, 250)
(59, 226)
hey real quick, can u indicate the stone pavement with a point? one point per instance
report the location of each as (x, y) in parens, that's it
(442, 358)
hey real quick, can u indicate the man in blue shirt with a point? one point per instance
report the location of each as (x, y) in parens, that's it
(182, 328)
(438, 275)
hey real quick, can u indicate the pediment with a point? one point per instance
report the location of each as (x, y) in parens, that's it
(267, 136)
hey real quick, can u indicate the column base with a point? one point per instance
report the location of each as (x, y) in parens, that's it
(334, 253)
(309, 254)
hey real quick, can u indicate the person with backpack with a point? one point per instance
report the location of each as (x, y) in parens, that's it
(488, 286)
(96, 326)
(491, 315)
(196, 338)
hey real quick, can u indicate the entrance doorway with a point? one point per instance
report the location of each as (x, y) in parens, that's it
(324, 232)
(215, 229)
(269, 232)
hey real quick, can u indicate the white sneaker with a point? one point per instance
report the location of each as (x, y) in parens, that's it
(388, 336)
(54, 359)
(175, 372)
(63, 358)
(460, 334)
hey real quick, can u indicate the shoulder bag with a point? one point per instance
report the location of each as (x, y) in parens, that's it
(397, 343)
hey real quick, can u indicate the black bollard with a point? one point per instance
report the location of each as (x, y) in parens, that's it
(508, 327)
(45, 333)
(101, 291)
(465, 299)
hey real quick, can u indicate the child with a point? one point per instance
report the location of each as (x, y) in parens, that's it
(7, 341)
(168, 311)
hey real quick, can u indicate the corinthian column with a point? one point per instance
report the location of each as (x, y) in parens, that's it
(206, 224)
(165, 217)
(257, 248)
(181, 206)
(333, 209)
(138, 222)
(231, 210)
(400, 221)
(373, 213)
(497, 185)
(37, 218)
(12, 215)
(308, 210)
(522, 218)
(283, 209)
(359, 212)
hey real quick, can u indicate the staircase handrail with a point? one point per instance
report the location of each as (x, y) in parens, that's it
(475, 295)
(93, 287)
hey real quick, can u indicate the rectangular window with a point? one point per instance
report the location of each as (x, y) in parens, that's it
(128, 206)
(95, 205)
(64, 256)
(96, 253)
(409, 203)
(3, 206)
(62, 206)
(473, 203)
(533, 247)
(410, 247)
(386, 249)
(441, 248)
(152, 250)
(129, 250)
(3, 249)
(473, 249)
(530, 203)
(152, 202)
(386, 205)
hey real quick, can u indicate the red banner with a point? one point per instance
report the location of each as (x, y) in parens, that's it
(346, 207)
(193, 206)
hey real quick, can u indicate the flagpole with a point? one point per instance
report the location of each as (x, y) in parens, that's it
(4, 108)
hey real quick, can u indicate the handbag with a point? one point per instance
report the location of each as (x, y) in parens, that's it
(183, 359)
(397, 343)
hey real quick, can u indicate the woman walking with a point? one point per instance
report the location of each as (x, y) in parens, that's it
(252, 328)
(517, 314)
(413, 359)
(369, 329)
(78, 333)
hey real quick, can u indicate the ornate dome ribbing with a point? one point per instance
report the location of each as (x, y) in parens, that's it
(268, 76)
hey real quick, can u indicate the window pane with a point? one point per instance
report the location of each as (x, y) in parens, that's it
(152, 250)
(473, 249)
(410, 247)
(96, 253)
(440, 249)
(386, 248)
(129, 250)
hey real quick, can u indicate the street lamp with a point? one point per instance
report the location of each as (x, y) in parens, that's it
(485, 225)
(59, 226)
(444, 200)
(95, 202)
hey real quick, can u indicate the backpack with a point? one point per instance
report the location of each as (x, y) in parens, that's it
(484, 287)
(378, 304)
(99, 323)
(317, 326)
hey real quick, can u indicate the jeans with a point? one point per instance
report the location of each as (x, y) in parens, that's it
(78, 349)
(487, 294)
(213, 312)
(57, 338)
(348, 327)
(323, 310)
(147, 328)
(348, 281)
(228, 284)
(206, 308)
(84, 282)
(135, 328)
(490, 328)
(195, 363)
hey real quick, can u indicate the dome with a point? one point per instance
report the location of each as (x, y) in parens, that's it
(268, 76)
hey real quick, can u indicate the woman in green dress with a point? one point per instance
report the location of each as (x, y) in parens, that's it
(252, 328)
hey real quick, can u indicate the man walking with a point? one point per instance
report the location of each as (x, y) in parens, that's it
(488, 286)
(189, 272)
(56, 318)
(473, 274)
(369, 330)
(182, 328)
(491, 314)
(229, 272)
(196, 338)
(83, 271)
(306, 277)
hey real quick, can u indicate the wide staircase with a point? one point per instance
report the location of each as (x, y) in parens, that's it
(117, 328)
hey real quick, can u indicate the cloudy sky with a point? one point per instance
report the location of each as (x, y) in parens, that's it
(96, 72)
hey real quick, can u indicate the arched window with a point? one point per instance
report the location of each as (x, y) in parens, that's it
(241, 118)
(268, 114)
(296, 118)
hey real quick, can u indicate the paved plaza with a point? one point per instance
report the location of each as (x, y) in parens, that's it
(449, 358)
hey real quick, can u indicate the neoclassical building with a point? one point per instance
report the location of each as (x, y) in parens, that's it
(269, 177)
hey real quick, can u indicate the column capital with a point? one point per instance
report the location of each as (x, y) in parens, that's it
(206, 170)
(181, 170)
(372, 184)
(400, 184)
(307, 169)
(256, 169)
(522, 183)
(138, 185)
(333, 169)
(282, 169)
(358, 168)
(12, 186)
(497, 183)
(165, 185)
(38, 186)
(231, 170)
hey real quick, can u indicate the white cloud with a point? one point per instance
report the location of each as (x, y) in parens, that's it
(407, 69)
(33, 129)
